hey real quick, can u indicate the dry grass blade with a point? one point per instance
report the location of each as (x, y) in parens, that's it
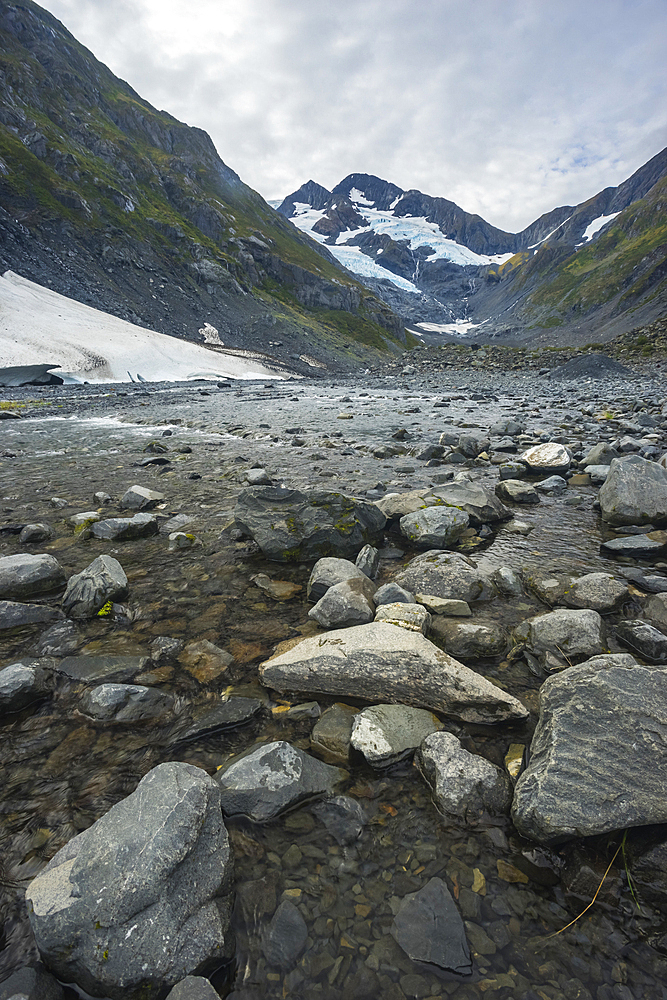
(597, 893)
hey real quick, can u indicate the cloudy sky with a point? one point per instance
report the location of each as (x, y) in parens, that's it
(507, 108)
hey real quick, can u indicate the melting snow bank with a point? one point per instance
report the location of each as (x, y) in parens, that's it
(38, 326)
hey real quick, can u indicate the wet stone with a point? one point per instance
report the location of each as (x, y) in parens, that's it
(123, 529)
(205, 661)
(31, 534)
(346, 604)
(62, 639)
(597, 591)
(429, 929)
(656, 609)
(469, 640)
(635, 492)
(285, 937)
(193, 988)
(16, 615)
(368, 561)
(237, 711)
(99, 669)
(465, 786)
(444, 606)
(331, 734)
(447, 575)
(552, 486)
(21, 684)
(391, 593)
(330, 571)
(516, 491)
(559, 638)
(125, 703)
(32, 983)
(642, 638)
(29, 575)
(87, 592)
(637, 546)
(271, 779)
(385, 734)
(140, 498)
(342, 816)
(434, 527)
(411, 616)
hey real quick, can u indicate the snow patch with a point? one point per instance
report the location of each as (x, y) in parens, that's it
(596, 225)
(39, 326)
(459, 327)
(358, 197)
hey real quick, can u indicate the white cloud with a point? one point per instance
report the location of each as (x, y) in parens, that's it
(507, 109)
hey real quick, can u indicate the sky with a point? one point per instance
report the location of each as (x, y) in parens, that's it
(507, 108)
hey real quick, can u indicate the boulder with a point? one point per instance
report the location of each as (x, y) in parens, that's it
(510, 470)
(328, 572)
(597, 591)
(597, 760)
(15, 615)
(125, 703)
(293, 525)
(636, 546)
(29, 575)
(140, 498)
(385, 734)
(411, 616)
(465, 786)
(396, 505)
(434, 527)
(600, 454)
(552, 486)
(516, 491)
(481, 506)
(88, 591)
(34, 533)
(381, 662)
(193, 988)
(391, 593)
(635, 492)
(470, 640)
(429, 929)
(548, 457)
(346, 604)
(272, 778)
(449, 575)
(125, 529)
(560, 638)
(472, 445)
(332, 732)
(31, 983)
(142, 897)
(368, 561)
(656, 610)
(444, 606)
(21, 684)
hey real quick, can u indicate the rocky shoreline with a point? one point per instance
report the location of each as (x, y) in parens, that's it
(383, 660)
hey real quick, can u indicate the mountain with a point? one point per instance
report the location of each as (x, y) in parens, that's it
(597, 267)
(122, 207)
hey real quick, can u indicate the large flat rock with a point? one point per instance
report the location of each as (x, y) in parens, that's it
(384, 663)
(597, 760)
(26, 575)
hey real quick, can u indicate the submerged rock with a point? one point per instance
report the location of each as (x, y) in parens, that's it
(271, 779)
(142, 898)
(15, 615)
(285, 937)
(383, 662)
(465, 786)
(100, 669)
(294, 525)
(21, 684)
(597, 760)
(125, 702)
(429, 929)
(332, 733)
(342, 816)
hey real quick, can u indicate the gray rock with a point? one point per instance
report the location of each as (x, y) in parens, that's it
(330, 571)
(142, 898)
(176, 523)
(272, 778)
(21, 684)
(516, 491)
(656, 610)
(429, 929)
(549, 585)
(562, 637)
(470, 640)
(258, 477)
(382, 662)
(391, 593)
(140, 498)
(124, 529)
(15, 615)
(32, 983)
(444, 606)
(368, 561)
(471, 445)
(285, 937)
(635, 492)
(87, 592)
(342, 816)
(396, 505)
(332, 732)
(553, 486)
(236, 711)
(510, 470)
(598, 591)
(507, 425)
(598, 473)
(193, 988)
(292, 525)
(465, 786)
(101, 669)
(481, 506)
(600, 454)
(32, 533)
(164, 649)
(346, 604)
(637, 546)
(29, 575)
(125, 703)
(434, 527)
(548, 457)
(597, 760)
(385, 734)
(447, 575)
(507, 582)
(179, 540)
(62, 639)
(411, 616)
(642, 638)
